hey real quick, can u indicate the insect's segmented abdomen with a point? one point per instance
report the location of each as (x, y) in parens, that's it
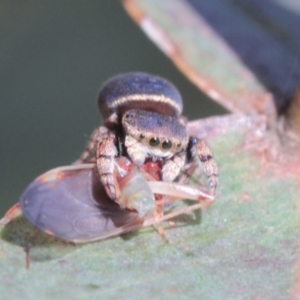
(73, 206)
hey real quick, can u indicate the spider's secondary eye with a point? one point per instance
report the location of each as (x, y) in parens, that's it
(129, 116)
(142, 136)
(167, 144)
(179, 145)
(154, 141)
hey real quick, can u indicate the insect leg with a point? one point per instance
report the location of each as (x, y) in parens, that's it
(150, 220)
(179, 191)
(157, 216)
(172, 191)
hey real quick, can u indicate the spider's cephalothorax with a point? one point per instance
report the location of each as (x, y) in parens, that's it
(142, 120)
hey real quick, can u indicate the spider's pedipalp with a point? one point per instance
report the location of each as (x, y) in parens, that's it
(173, 166)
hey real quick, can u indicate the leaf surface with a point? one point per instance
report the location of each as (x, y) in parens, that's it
(244, 246)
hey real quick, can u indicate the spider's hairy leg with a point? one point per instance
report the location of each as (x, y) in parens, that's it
(90, 148)
(106, 152)
(202, 155)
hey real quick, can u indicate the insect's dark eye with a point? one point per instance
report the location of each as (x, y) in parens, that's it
(167, 144)
(154, 141)
(142, 136)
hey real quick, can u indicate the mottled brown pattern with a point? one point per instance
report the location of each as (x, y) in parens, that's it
(105, 154)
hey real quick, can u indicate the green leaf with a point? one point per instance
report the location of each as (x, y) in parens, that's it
(244, 246)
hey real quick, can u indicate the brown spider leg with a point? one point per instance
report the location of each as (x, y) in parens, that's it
(91, 145)
(105, 154)
(201, 154)
(102, 143)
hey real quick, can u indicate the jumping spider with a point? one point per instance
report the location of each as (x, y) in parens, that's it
(142, 121)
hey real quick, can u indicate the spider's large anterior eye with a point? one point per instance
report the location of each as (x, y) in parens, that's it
(154, 141)
(167, 144)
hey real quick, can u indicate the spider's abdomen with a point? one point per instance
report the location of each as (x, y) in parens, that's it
(139, 91)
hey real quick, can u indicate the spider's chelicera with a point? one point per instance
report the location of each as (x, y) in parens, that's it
(142, 121)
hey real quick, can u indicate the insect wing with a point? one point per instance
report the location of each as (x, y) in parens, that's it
(72, 205)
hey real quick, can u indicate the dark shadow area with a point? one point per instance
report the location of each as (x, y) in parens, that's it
(41, 246)
(265, 36)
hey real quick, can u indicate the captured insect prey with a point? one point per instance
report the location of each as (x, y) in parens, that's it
(70, 203)
(134, 164)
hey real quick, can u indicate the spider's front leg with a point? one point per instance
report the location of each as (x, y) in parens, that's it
(88, 155)
(200, 153)
(106, 151)
(102, 150)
